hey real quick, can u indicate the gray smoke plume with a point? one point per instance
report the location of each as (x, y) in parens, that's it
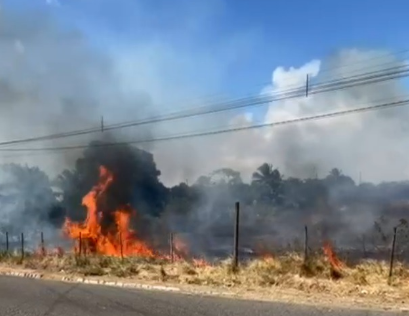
(52, 80)
(361, 145)
(317, 146)
(26, 200)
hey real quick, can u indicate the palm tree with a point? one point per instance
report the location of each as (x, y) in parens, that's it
(265, 174)
(268, 177)
(335, 173)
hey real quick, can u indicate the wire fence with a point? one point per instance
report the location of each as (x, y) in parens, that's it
(236, 245)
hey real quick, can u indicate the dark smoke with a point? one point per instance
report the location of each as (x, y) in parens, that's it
(51, 81)
(135, 186)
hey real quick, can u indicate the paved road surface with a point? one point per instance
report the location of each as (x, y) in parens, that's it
(21, 297)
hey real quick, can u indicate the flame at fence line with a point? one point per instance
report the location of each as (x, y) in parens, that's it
(329, 252)
(180, 247)
(116, 240)
(263, 251)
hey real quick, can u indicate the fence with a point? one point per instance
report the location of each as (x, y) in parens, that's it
(241, 246)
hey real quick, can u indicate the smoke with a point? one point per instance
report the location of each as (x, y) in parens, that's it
(361, 143)
(26, 201)
(371, 146)
(53, 80)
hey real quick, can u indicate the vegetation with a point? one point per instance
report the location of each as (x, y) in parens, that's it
(365, 279)
(362, 214)
(331, 206)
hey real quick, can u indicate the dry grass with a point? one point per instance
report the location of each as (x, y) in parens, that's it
(369, 278)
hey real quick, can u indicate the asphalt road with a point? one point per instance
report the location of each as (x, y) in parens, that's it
(21, 297)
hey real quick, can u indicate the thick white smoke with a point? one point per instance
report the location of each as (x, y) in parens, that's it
(373, 144)
(52, 80)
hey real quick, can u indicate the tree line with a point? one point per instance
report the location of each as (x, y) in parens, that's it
(31, 193)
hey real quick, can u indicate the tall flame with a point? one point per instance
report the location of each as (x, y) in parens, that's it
(329, 252)
(118, 240)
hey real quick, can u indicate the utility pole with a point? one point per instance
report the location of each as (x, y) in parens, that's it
(315, 173)
(306, 86)
(235, 262)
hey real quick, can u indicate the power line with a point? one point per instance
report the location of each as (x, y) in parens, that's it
(339, 84)
(390, 54)
(246, 102)
(222, 131)
(332, 69)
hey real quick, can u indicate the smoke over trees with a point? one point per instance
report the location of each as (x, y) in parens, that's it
(274, 207)
(282, 178)
(136, 179)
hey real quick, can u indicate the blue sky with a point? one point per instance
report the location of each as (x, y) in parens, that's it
(190, 48)
(250, 38)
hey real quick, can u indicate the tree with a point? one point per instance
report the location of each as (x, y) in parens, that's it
(340, 187)
(227, 176)
(182, 198)
(268, 178)
(26, 196)
(203, 181)
(265, 174)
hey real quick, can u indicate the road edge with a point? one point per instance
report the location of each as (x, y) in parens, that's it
(174, 289)
(131, 285)
(35, 275)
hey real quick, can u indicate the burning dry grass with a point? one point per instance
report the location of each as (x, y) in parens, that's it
(369, 278)
(104, 245)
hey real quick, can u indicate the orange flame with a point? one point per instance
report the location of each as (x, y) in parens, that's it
(263, 251)
(181, 248)
(181, 253)
(200, 263)
(119, 240)
(332, 257)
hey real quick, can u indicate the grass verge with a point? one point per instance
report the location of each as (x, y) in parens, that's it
(368, 279)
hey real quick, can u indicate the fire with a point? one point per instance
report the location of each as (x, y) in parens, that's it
(181, 253)
(118, 240)
(335, 263)
(59, 252)
(42, 252)
(263, 251)
(181, 248)
(200, 263)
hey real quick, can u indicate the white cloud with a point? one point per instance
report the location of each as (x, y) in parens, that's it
(374, 144)
(43, 94)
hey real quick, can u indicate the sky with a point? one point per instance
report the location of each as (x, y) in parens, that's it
(254, 36)
(181, 53)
